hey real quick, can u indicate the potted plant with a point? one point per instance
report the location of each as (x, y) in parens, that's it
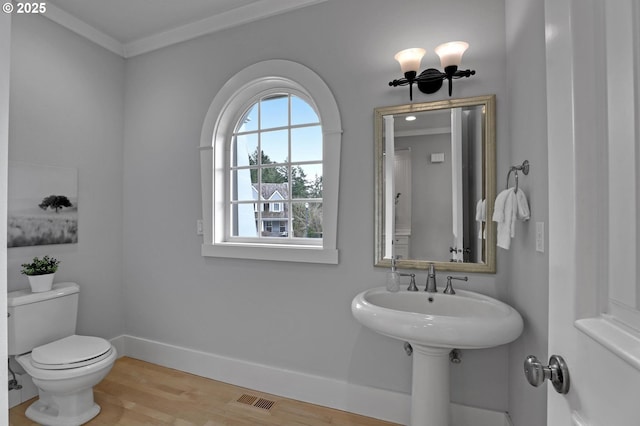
(40, 273)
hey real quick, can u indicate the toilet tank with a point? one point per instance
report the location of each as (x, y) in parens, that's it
(39, 318)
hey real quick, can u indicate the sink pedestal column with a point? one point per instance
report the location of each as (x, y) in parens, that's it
(430, 386)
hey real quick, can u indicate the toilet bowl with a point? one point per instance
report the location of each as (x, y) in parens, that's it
(65, 371)
(63, 365)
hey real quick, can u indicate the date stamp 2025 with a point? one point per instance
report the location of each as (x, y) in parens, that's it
(24, 8)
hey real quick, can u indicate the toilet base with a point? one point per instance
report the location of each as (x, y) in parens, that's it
(63, 410)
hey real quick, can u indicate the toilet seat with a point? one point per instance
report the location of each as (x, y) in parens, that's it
(70, 352)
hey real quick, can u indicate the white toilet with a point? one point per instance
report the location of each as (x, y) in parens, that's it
(64, 366)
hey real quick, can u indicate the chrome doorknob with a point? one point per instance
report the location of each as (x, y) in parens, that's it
(557, 371)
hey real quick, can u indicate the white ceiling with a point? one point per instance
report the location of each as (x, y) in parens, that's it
(133, 27)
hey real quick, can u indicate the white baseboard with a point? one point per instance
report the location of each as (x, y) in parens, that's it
(367, 401)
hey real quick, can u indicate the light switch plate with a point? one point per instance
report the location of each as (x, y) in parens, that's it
(437, 157)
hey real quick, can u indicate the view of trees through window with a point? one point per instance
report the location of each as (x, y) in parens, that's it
(277, 159)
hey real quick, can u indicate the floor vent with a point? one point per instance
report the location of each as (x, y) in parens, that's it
(254, 401)
(265, 404)
(247, 399)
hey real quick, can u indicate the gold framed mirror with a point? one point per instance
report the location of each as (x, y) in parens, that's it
(435, 175)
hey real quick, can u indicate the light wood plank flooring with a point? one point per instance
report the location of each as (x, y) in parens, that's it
(139, 393)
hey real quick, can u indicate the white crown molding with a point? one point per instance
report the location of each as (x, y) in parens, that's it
(242, 15)
(83, 29)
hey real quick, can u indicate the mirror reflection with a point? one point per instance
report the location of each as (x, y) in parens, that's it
(435, 169)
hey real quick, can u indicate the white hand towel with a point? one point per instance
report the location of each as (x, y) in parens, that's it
(498, 207)
(509, 206)
(523, 206)
(504, 214)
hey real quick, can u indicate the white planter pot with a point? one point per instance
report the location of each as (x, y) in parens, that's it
(40, 283)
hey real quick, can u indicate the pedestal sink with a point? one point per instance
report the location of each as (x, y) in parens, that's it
(434, 324)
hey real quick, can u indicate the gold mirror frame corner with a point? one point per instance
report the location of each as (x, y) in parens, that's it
(489, 102)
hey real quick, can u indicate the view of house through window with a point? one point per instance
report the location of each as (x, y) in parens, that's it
(276, 171)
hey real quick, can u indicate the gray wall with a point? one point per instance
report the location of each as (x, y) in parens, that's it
(66, 109)
(528, 269)
(138, 258)
(292, 316)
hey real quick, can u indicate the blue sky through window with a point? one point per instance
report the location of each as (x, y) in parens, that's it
(275, 112)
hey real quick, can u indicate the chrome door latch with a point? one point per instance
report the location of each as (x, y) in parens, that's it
(557, 371)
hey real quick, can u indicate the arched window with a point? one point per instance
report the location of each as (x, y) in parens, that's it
(270, 158)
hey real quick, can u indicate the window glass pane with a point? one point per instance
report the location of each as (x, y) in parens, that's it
(242, 188)
(274, 228)
(301, 112)
(243, 220)
(274, 112)
(306, 144)
(244, 149)
(275, 146)
(306, 181)
(249, 121)
(307, 220)
(253, 159)
(263, 178)
(274, 175)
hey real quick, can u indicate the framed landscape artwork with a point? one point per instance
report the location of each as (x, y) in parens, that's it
(42, 205)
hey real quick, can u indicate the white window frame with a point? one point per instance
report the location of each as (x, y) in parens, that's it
(241, 91)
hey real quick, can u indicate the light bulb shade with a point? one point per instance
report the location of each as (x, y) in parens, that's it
(451, 53)
(409, 59)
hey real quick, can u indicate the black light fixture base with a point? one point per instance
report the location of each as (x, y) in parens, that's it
(429, 81)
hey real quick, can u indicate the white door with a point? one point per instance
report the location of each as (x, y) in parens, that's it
(593, 66)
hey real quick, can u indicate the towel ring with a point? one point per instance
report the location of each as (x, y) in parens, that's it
(524, 167)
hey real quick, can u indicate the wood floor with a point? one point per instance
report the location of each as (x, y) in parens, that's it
(139, 393)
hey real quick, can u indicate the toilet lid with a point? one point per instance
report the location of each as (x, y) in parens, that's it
(70, 352)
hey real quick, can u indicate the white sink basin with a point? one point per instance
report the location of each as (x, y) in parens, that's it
(465, 320)
(435, 323)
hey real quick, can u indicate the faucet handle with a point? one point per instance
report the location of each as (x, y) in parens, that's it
(412, 285)
(449, 288)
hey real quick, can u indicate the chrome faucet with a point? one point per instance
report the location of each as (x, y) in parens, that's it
(431, 280)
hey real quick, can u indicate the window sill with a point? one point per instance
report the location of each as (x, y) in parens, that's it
(275, 252)
(617, 338)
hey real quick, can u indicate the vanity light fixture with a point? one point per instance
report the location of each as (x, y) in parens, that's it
(430, 80)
